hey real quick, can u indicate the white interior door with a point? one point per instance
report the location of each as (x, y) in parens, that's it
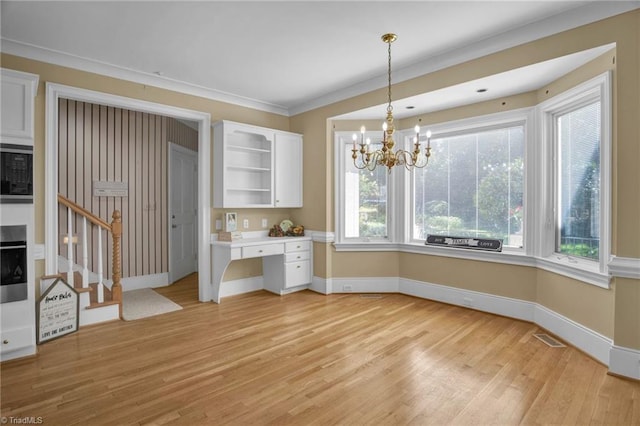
(183, 204)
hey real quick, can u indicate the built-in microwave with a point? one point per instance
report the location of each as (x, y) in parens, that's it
(16, 174)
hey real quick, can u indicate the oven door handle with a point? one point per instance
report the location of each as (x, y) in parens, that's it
(12, 247)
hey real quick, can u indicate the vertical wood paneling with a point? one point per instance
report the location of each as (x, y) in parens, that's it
(104, 143)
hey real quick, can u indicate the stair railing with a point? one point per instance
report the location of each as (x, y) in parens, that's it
(114, 228)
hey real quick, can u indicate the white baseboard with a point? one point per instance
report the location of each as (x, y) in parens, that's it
(624, 362)
(18, 353)
(244, 285)
(145, 281)
(506, 306)
(365, 285)
(583, 338)
(321, 285)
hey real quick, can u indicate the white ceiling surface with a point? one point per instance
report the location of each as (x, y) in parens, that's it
(288, 57)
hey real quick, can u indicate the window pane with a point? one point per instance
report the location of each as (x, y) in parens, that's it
(365, 199)
(473, 187)
(578, 231)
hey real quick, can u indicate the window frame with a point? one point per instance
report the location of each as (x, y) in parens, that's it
(342, 139)
(592, 271)
(500, 120)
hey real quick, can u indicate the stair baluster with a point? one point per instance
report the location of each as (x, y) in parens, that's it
(115, 229)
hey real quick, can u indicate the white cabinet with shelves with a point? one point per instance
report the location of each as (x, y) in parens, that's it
(256, 167)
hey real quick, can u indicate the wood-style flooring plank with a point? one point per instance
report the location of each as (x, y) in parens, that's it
(310, 359)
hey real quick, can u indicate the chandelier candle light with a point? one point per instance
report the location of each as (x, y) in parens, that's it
(386, 156)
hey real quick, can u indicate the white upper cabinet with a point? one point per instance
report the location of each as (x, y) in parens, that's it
(18, 92)
(256, 167)
(288, 170)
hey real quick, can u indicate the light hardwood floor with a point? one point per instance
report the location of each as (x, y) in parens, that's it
(308, 359)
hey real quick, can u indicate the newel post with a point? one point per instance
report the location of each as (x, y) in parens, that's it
(116, 232)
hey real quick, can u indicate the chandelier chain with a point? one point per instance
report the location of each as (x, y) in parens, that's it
(389, 107)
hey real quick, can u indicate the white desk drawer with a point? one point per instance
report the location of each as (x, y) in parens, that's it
(297, 256)
(17, 338)
(262, 250)
(297, 273)
(297, 246)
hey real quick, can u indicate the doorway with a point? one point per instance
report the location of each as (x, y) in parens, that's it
(56, 91)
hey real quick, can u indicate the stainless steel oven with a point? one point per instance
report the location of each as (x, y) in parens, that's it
(13, 263)
(16, 174)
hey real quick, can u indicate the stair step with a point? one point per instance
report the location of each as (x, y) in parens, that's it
(77, 281)
(93, 296)
(99, 305)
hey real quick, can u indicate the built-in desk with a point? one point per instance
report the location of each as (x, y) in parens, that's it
(287, 262)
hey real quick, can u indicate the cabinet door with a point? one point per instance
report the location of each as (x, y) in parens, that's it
(288, 170)
(18, 91)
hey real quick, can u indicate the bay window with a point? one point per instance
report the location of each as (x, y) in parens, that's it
(536, 178)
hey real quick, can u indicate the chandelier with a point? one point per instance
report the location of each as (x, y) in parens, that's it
(385, 156)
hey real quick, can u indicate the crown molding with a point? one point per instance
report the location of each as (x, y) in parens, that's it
(55, 57)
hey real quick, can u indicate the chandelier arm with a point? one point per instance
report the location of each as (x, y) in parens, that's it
(386, 156)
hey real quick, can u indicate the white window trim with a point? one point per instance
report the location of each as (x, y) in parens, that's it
(522, 116)
(341, 140)
(594, 272)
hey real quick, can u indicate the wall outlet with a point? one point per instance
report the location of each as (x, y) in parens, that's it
(467, 301)
(265, 223)
(245, 223)
(218, 224)
(347, 287)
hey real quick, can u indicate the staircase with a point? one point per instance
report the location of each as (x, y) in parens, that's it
(100, 299)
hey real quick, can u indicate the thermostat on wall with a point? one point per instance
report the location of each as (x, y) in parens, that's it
(104, 188)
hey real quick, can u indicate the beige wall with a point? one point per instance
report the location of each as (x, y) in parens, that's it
(609, 312)
(614, 312)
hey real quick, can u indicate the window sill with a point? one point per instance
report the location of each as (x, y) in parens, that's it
(579, 272)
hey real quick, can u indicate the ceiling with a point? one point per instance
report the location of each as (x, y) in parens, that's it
(288, 57)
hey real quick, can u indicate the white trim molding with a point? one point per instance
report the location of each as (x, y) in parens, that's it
(592, 343)
(624, 362)
(499, 305)
(145, 281)
(624, 267)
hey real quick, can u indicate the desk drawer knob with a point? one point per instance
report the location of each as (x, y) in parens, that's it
(5, 342)
(298, 266)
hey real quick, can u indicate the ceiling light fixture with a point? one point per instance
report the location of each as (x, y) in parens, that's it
(385, 156)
